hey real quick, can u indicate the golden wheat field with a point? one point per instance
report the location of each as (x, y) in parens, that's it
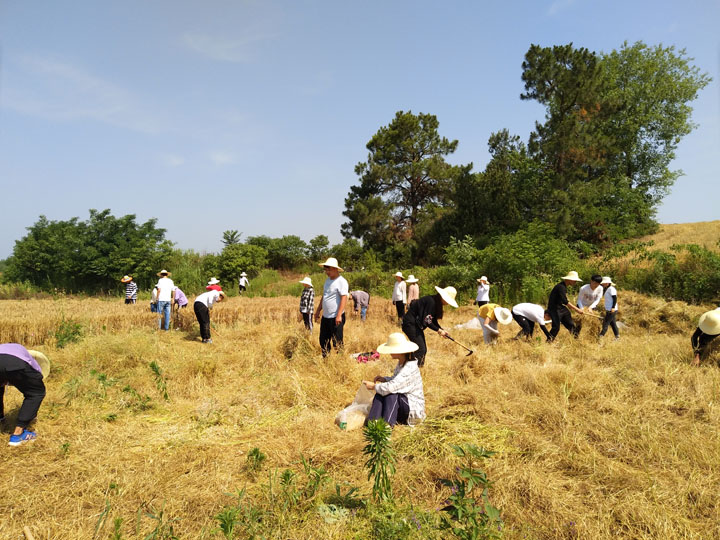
(702, 233)
(612, 440)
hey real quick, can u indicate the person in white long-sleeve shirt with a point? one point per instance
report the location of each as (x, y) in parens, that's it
(589, 295)
(483, 292)
(399, 296)
(202, 306)
(526, 315)
(398, 399)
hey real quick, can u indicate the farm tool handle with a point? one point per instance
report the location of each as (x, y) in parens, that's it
(463, 346)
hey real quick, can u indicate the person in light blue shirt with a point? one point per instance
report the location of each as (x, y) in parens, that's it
(332, 307)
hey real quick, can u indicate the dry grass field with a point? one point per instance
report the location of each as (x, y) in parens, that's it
(612, 440)
(703, 233)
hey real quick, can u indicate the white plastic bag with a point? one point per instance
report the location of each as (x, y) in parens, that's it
(353, 416)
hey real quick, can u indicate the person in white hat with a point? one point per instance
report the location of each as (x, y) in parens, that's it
(25, 371)
(559, 307)
(413, 290)
(361, 301)
(425, 313)
(332, 307)
(131, 289)
(399, 295)
(611, 307)
(483, 291)
(490, 315)
(213, 284)
(707, 330)
(526, 315)
(202, 306)
(243, 283)
(165, 288)
(399, 399)
(307, 303)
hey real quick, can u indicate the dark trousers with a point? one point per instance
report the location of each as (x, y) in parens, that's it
(481, 302)
(417, 336)
(609, 320)
(400, 307)
(393, 408)
(527, 327)
(562, 316)
(130, 300)
(308, 320)
(331, 334)
(203, 317)
(700, 342)
(29, 382)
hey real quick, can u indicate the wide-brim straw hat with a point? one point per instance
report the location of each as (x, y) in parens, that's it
(213, 281)
(399, 274)
(164, 273)
(306, 281)
(222, 294)
(709, 322)
(411, 279)
(243, 274)
(42, 361)
(448, 294)
(397, 343)
(572, 276)
(126, 279)
(606, 280)
(482, 278)
(332, 261)
(503, 315)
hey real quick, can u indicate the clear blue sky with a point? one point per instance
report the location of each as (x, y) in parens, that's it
(251, 115)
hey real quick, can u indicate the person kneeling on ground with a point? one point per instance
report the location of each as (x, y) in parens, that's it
(490, 315)
(526, 315)
(398, 399)
(24, 370)
(202, 306)
(707, 330)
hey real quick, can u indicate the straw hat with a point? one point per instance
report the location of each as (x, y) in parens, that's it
(503, 315)
(482, 279)
(213, 281)
(399, 274)
(164, 273)
(243, 274)
(126, 279)
(222, 294)
(306, 281)
(572, 276)
(332, 261)
(411, 279)
(709, 322)
(606, 280)
(448, 294)
(42, 361)
(397, 343)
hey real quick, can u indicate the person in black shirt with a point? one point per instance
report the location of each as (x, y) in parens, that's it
(559, 307)
(707, 330)
(425, 313)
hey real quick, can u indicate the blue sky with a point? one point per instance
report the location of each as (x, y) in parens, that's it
(252, 115)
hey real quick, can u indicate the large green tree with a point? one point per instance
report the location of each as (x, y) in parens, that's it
(90, 255)
(402, 184)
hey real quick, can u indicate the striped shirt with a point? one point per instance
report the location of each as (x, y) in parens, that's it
(406, 380)
(307, 300)
(131, 290)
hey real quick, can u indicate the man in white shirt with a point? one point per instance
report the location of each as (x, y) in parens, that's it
(611, 307)
(243, 283)
(589, 295)
(202, 306)
(165, 288)
(399, 296)
(332, 307)
(526, 315)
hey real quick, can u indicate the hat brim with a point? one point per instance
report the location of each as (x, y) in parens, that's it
(330, 266)
(160, 274)
(411, 281)
(398, 349)
(571, 278)
(444, 296)
(123, 280)
(710, 323)
(42, 361)
(503, 315)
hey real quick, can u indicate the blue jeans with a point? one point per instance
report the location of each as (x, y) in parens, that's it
(164, 310)
(363, 312)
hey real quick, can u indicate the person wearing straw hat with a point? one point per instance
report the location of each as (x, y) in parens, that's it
(399, 399)
(425, 313)
(559, 307)
(131, 290)
(307, 303)
(399, 295)
(202, 306)
(332, 307)
(361, 301)
(243, 283)
(24, 370)
(483, 291)
(213, 285)
(491, 315)
(707, 330)
(526, 315)
(413, 290)
(165, 288)
(611, 307)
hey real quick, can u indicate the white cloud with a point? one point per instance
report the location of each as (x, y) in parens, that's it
(219, 157)
(51, 88)
(224, 49)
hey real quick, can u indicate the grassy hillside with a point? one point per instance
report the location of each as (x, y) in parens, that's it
(618, 439)
(703, 233)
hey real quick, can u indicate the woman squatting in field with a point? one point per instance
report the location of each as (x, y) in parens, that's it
(707, 330)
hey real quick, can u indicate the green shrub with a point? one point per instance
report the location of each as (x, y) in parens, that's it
(69, 331)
